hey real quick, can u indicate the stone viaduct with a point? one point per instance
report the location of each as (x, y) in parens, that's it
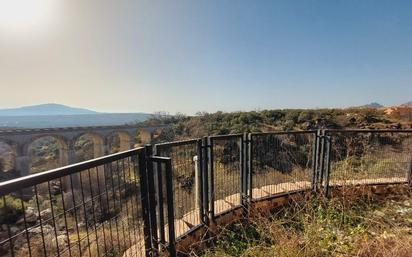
(19, 140)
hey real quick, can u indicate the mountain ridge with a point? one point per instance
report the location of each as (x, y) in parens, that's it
(58, 115)
(373, 105)
(48, 109)
(408, 104)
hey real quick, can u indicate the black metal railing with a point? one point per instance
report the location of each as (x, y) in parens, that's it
(282, 162)
(143, 201)
(92, 208)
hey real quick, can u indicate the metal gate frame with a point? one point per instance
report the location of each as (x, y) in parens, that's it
(155, 242)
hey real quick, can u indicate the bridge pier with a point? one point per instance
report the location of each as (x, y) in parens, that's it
(146, 136)
(22, 165)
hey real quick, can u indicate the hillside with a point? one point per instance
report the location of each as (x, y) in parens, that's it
(45, 109)
(373, 105)
(221, 123)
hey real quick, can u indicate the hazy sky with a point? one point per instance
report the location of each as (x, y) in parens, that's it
(189, 56)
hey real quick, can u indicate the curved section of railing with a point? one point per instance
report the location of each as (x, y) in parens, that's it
(162, 199)
(93, 208)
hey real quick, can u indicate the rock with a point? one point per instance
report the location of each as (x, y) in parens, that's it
(31, 216)
(61, 241)
(4, 227)
(46, 230)
(14, 230)
(46, 214)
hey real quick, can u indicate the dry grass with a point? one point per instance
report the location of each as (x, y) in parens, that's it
(366, 226)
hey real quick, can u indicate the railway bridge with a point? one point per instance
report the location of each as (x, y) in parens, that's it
(18, 141)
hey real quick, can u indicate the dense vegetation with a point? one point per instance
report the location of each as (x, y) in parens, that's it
(220, 123)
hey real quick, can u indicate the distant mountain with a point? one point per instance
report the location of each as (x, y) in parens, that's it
(408, 104)
(45, 110)
(372, 105)
(57, 115)
(81, 120)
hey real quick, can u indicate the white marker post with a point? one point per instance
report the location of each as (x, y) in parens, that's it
(196, 161)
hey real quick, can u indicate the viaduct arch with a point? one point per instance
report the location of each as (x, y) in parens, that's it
(19, 141)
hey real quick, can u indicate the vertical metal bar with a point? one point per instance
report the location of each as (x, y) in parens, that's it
(197, 181)
(65, 216)
(75, 215)
(114, 206)
(152, 199)
(315, 160)
(106, 192)
(199, 164)
(41, 223)
(322, 158)
(145, 203)
(159, 181)
(250, 166)
(85, 213)
(9, 231)
(205, 173)
(124, 205)
(94, 214)
(137, 179)
(212, 180)
(53, 218)
(170, 209)
(329, 150)
(243, 168)
(132, 186)
(160, 200)
(410, 172)
(242, 173)
(25, 224)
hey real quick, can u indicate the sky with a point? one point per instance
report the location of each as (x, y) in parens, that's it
(206, 55)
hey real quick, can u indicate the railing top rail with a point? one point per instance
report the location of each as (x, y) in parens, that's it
(368, 130)
(284, 132)
(176, 143)
(226, 136)
(10, 186)
(160, 159)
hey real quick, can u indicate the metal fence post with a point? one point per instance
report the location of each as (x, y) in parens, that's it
(170, 209)
(249, 182)
(410, 172)
(327, 172)
(160, 195)
(315, 162)
(145, 203)
(205, 179)
(322, 155)
(211, 178)
(152, 200)
(199, 178)
(242, 170)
